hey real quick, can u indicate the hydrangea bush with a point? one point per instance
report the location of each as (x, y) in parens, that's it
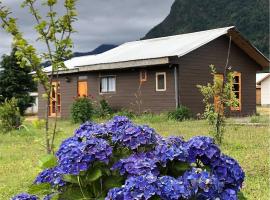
(119, 160)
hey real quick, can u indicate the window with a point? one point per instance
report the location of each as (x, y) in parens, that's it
(237, 90)
(82, 89)
(161, 81)
(55, 100)
(107, 84)
(143, 75)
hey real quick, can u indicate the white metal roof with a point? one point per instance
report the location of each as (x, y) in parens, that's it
(164, 47)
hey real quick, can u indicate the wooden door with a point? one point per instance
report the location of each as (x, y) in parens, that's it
(82, 89)
(55, 99)
(219, 84)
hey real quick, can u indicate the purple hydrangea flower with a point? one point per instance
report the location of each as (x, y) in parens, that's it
(137, 164)
(52, 176)
(24, 196)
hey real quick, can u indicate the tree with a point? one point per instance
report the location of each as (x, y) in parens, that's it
(54, 31)
(218, 97)
(16, 81)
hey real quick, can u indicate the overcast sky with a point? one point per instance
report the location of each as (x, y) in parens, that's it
(99, 22)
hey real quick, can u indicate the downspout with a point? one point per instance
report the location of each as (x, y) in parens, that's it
(176, 86)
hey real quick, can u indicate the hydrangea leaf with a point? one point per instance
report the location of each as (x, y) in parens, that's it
(48, 161)
(70, 179)
(93, 174)
(113, 181)
(41, 189)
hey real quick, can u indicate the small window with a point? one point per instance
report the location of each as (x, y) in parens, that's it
(107, 84)
(237, 90)
(143, 75)
(161, 81)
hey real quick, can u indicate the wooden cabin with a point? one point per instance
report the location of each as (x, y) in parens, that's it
(165, 71)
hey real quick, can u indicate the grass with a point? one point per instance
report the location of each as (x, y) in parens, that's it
(20, 151)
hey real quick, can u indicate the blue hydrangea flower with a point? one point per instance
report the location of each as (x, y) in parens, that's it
(139, 187)
(117, 124)
(75, 155)
(170, 149)
(133, 136)
(229, 194)
(137, 164)
(24, 196)
(229, 171)
(202, 148)
(52, 176)
(201, 184)
(90, 129)
(171, 188)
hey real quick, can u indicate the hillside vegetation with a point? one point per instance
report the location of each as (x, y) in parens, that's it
(251, 17)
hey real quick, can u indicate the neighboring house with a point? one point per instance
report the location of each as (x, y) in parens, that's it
(165, 71)
(34, 108)
(263, 89)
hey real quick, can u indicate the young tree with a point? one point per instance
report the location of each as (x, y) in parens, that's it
(218, 97)
(54, 31)
(16, 81)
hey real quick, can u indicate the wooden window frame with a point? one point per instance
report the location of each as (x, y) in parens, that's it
(239, 108)
(143, 78)
(82, 80)
(165, 81)
(107, 76)
(51, 114)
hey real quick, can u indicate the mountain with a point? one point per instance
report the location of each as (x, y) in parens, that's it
(100, 49)
(251, 17)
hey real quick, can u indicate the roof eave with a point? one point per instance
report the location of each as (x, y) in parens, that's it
(248, 48)
(125, 64)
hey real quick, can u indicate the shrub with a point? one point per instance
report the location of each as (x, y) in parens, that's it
(180, 114)
(104, 109)
(10, 117)
(121, 160)
(82, 110)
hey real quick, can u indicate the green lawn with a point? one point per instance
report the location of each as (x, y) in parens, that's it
(20, 150)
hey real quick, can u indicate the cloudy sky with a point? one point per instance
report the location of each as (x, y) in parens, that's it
(99, 22)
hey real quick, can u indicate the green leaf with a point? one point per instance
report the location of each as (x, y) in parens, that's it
(75, 193)
(47, 161)
(113, 181)
(70, 179)
(93, 174)
(40, 189)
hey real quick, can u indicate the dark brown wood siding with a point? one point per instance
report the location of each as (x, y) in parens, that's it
(194, 70)
(127, 87)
